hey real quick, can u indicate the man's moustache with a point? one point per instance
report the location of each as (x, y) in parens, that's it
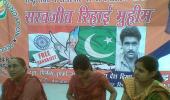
(131, 52)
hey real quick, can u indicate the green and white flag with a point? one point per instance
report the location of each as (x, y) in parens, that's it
(99, 43)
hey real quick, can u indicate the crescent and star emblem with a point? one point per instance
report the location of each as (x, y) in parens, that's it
(90, 50)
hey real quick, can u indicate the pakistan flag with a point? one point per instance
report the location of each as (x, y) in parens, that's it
(99, 43)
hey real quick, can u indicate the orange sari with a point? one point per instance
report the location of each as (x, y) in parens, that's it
(93, 91)
(29, 88)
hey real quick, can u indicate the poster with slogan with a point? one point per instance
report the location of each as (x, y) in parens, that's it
(48, 34)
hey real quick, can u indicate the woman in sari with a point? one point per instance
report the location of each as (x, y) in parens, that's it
(20, 85)
(146, 83)
(86, 84)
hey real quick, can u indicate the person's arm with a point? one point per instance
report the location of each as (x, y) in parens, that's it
(109, 88)
(70, 90)
(3, 90)
(33, 90)
(0, 97)
(158, 96)
(125, 96)
(70, 96)
(164, 96)
(112, 91)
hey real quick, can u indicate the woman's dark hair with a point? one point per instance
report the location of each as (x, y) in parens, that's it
(151, 64)
(82, 62)
(20, 60)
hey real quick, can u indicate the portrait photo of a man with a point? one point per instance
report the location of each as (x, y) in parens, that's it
(130, 46)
